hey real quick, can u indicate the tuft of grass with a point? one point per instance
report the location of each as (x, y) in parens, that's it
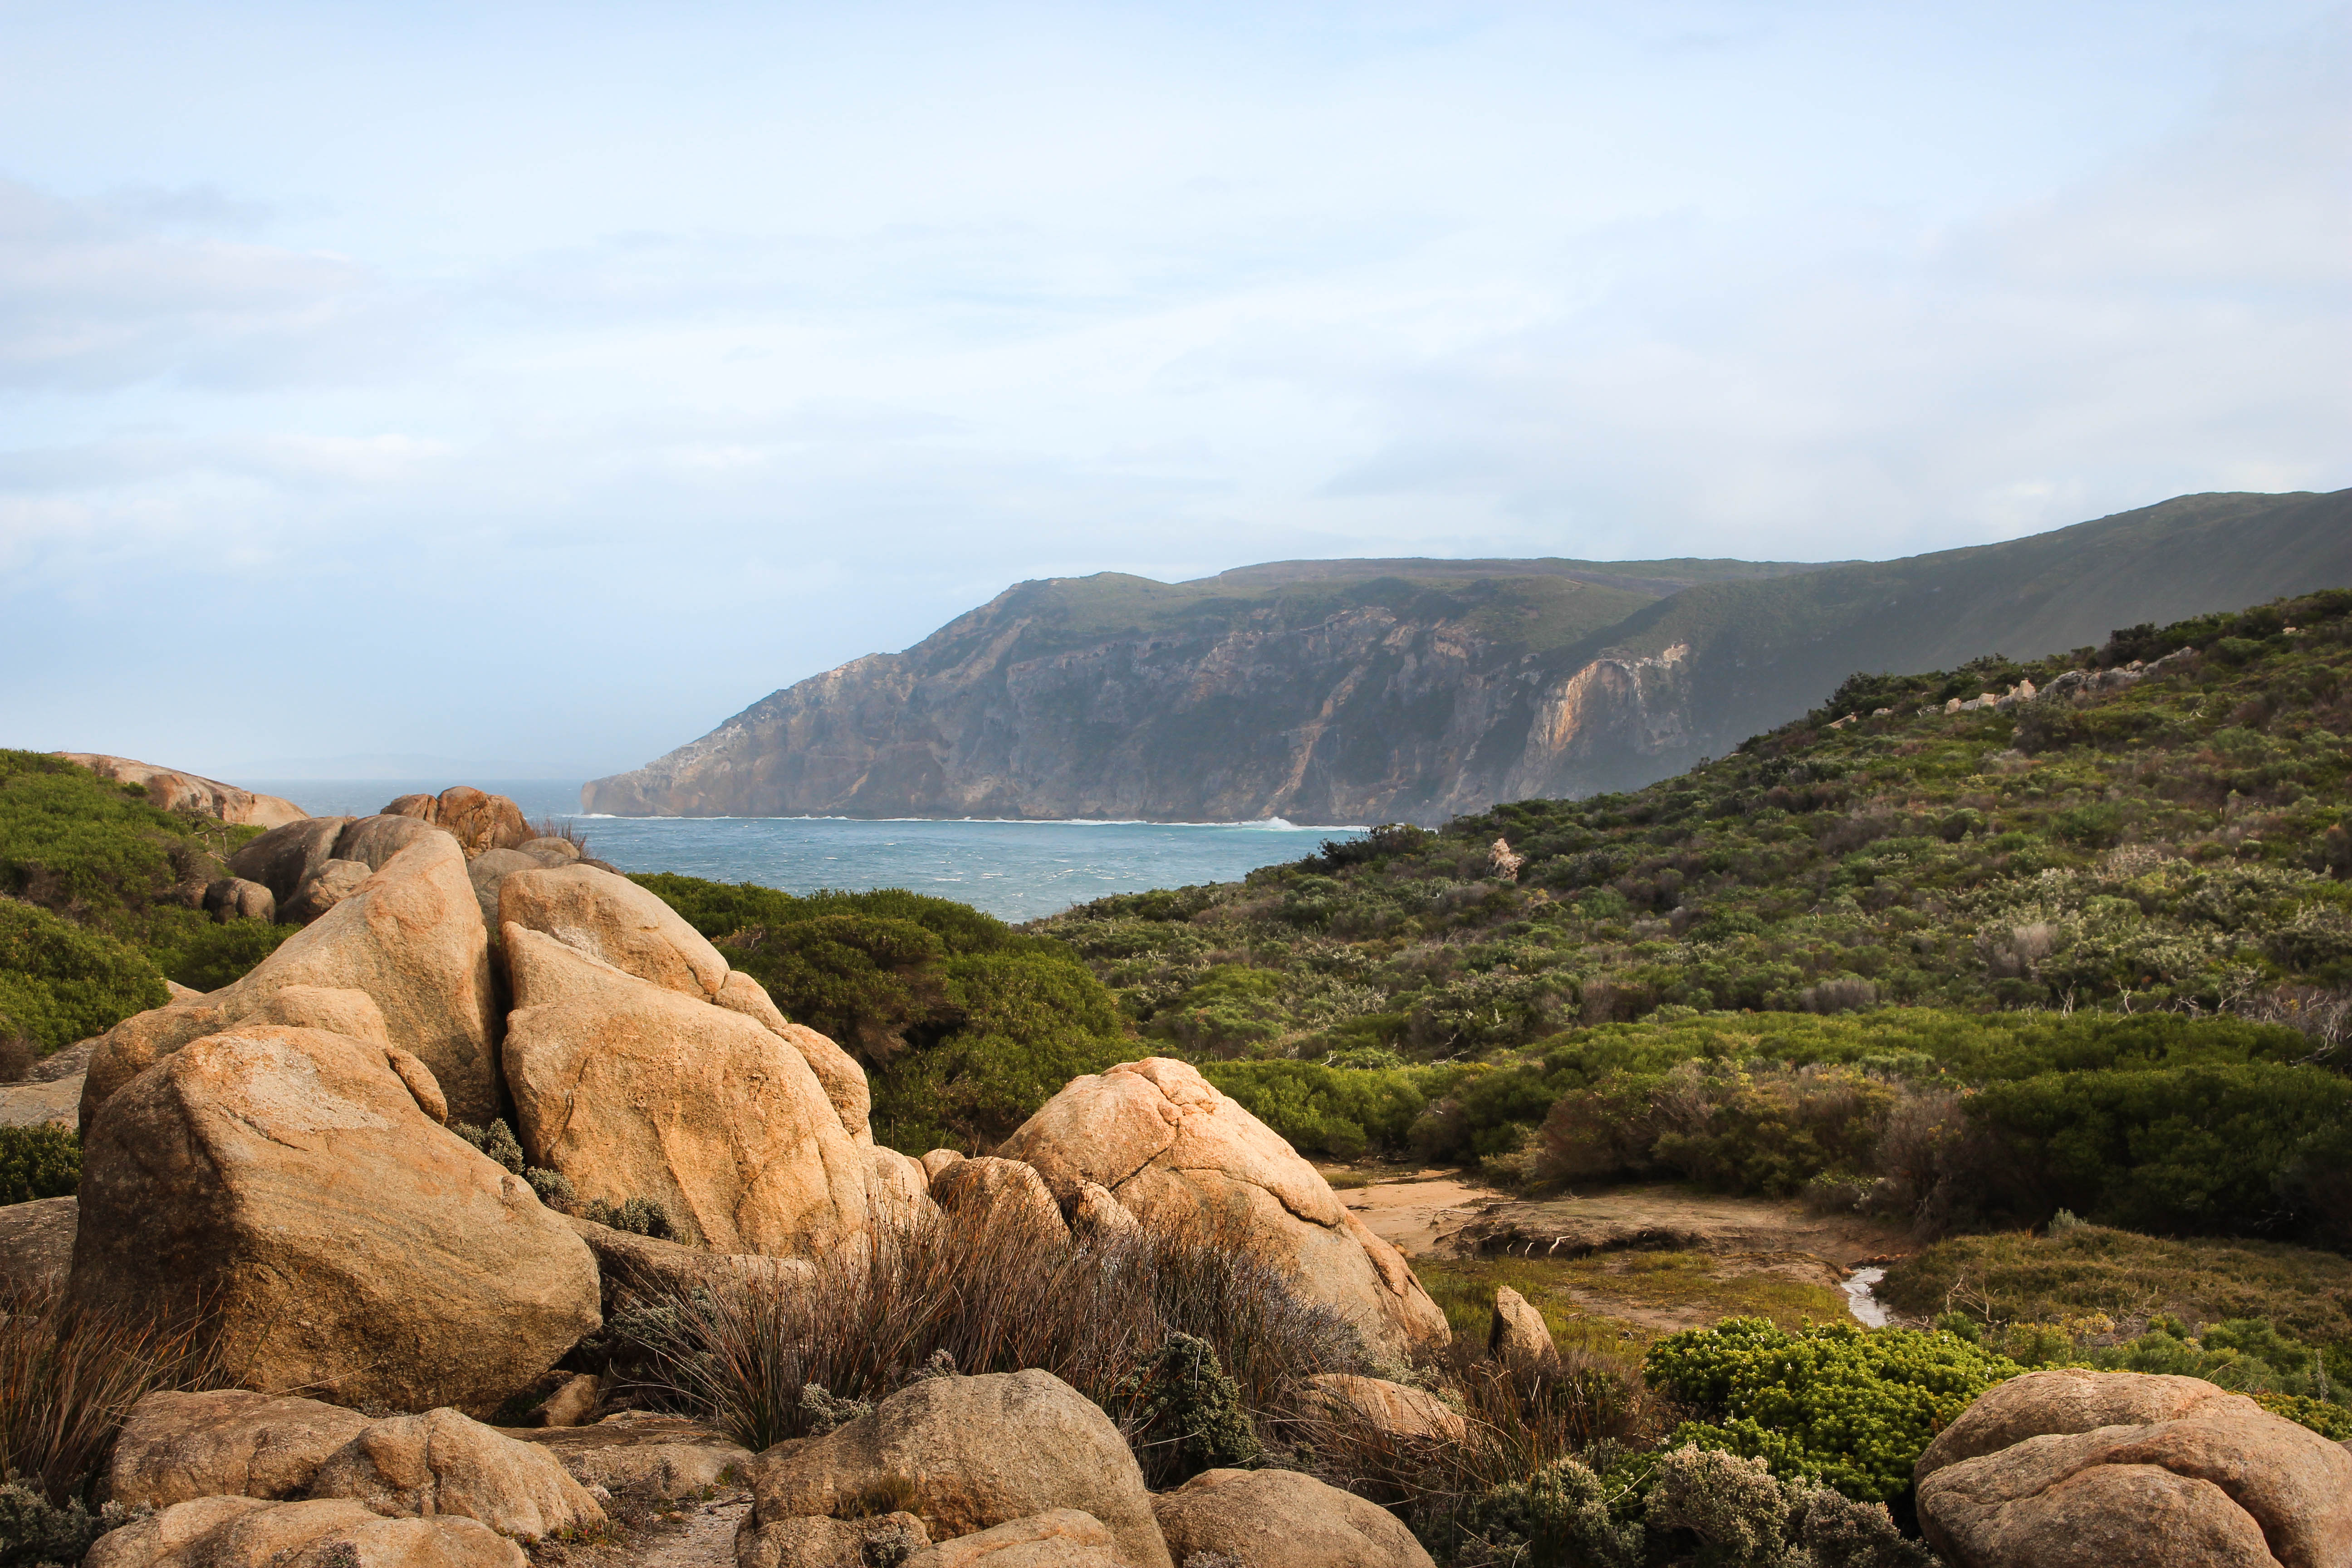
(68, 1380)
(994, 1298)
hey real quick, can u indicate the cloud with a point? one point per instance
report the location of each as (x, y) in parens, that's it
(100, 296)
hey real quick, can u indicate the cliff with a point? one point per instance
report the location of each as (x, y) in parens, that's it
(1415, 691)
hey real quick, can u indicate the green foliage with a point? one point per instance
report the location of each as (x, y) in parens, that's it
(206, 954)
(43, 1161)
(1558, 1517)
(1184, 1414)
(1854, 1407)
(60, 983)
(638, 1216)
(1340, 1112)
(35, 1532)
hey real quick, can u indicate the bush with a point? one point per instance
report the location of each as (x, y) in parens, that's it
(638, 1216)
(1852, 1408)
(36, 1531)
(43, 1161)
(1184, 1415)
(60, 983)
(206, 954)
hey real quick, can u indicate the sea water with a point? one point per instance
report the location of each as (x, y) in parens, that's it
(1016, 871)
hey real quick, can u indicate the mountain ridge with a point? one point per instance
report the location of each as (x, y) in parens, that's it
(1418, 689)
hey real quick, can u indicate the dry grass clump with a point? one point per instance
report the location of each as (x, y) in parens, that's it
(993, 1298)
(67, 1380)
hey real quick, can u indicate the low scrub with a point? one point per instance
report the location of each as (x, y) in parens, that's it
(980, 1298)
(43, 1161)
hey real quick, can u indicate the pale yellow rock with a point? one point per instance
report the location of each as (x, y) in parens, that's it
(615, 921)
(1281, 1516)
(637, 1452)
(843, 1080)
(897, 1198)
(821, 1542)
(246, 1532)
(634, 1090)
(633, 1270)
(938, 1159)
(974, 1452)
(284, 1182)
(373, 841)
(443, 1463)
(413, 939)
(1097, 1215)
(177, 1446)
(1389, 1409)
(285, 857)
(171, 789)
(1062, 1537)
(138, 1043)
(1182, 1157)
(993, 1192)
(1517, 1335)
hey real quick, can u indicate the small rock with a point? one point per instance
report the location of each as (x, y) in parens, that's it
(1519, 1336)
(572, 1403)
(1283, 1517)
(1063, 1538)
(443, 1463)
(645, 1454)
(37, 1242)
(229, 1442)
(998, 1191)
(1389, 1409)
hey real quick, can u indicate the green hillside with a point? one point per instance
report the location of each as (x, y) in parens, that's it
(2101, 936)
(95, 891)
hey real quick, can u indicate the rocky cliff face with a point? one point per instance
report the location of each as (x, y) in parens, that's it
(1374, 691)
(1307, 709)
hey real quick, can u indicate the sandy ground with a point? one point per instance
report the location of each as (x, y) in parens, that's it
(1444, 1213)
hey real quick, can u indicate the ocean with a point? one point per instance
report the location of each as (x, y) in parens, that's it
(1015, 871)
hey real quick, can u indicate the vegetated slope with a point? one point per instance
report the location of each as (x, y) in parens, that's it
(2173, 841)
(95, 892)
(1413, 690)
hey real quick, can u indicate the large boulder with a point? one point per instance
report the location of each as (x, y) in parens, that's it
(285, 857)
(487, 871)
(247, 1532)
(843, 1080)
(330, 885)
(412, 937)
(615, 921)
(174, 1447)
(285, 1182)
(478, 820)
(138, 1043)
(897, 1198)
(372, 840)
(821, 1542)
(442, 1463)
(174, 790)
(965, 1454)
(1281, 1516)
(1181, 1156)
(37, 1242)
(992, 1192)
(2072, 1469)
(632, 1089)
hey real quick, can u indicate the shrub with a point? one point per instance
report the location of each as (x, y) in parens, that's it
(60, 983)
(207, 954)
(36, 1531)
(638, 1216)
(43, 1161)
(1851, 1407)
(1183, 1413)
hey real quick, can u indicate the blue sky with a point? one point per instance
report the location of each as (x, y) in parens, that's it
(533, 386)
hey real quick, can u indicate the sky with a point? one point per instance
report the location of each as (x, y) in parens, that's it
(524, 389)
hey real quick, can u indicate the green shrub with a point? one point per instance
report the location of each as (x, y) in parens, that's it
(1340, 1111)
(60, 983)
(1852, 1408)
(43, 1161)
(1183, 1413)
(638, 1216)
(206, 954)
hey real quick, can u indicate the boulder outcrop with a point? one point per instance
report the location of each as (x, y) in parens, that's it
(286, 1182)
(285, 857)
(476, 819)
(1063, 1538)
(174, 790)
(632, 1089)
(967, 1454)
(616, 922)
(334, 881)
(1179, 1156)
(2062, 1468)
(631, 1269)
(246, 1532)
(1281, 1516)
(821, 1542)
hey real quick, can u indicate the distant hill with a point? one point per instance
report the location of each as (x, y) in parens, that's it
(1417, 690)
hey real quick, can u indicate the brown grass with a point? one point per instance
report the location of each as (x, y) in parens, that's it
(995, 1298)
(67, 1381)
